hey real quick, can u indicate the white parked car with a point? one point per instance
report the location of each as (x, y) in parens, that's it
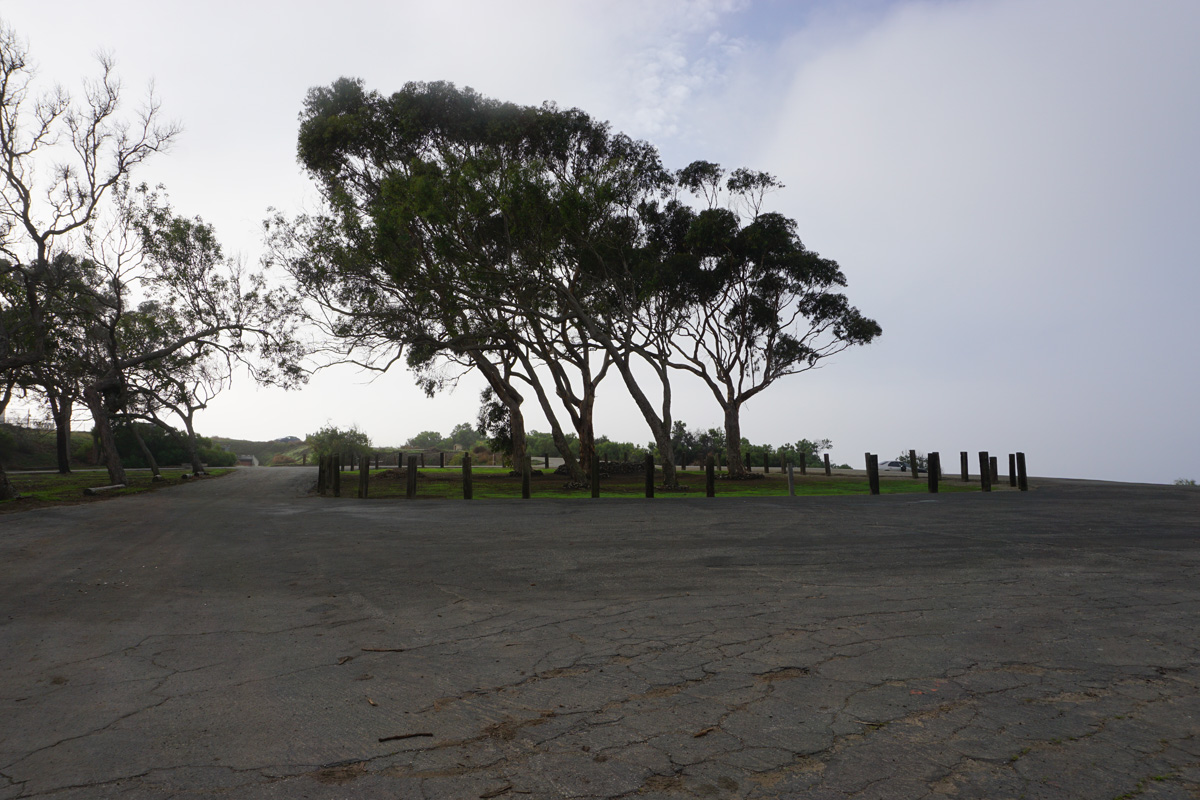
(896, 466)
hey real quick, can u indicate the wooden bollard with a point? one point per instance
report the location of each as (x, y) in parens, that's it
(985, 472)
(783, 460)
(649, 475)
(304, 459)
(526, 470)
(933, 465)
(442, 460)
(962, 457)
(873, 472)
(1022, 475)
(466, 468)
(1012, 469)
(828, 469)
(410, 483)
(336, 469)
(364, 476)
(377, 461)
(766, 462)
(595, 476)
(399, 460)
(791, 482)
(545, 461)
(321, 475)
(422, 454)
(994, 469)
(912, 463)
(804, 463)
(710, 477)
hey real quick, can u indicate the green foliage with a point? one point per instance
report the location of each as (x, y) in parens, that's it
(332, 440)
(465, 435)
(168, 447)
(495, 424)
(1185, 482)
(427, 440)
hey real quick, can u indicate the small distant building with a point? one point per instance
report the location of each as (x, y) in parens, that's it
(248, 461)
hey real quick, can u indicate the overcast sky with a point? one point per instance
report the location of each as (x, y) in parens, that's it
(1012, 188)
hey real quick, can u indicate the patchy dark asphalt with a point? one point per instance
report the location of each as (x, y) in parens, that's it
(235, 639)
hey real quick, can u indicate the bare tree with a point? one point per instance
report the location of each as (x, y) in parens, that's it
(60, 159)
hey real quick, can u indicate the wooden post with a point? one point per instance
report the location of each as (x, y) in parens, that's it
(545, 461)
(422, 459)
(526, 469)
(442, 460)
(322, 474)
(304, 459)
(791, 481)
(1022, 475)
(766, 462)
(710, 482)
(994, 468)
(912, 462)
(337, 475)
(873, 473)
(649, 475)
(783, 460)
(377, 460)
(399, 460)
(803, 463)
(933, 463)
(364, 476)
(410, 484)
(963, 461)
(1012, 469)
(828, 470)
(595, 475)
(466, 468)
(985, 472)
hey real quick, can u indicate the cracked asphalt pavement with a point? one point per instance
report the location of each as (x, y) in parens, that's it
(235, 638)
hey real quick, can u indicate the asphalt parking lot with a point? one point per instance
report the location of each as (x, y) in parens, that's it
(235, 638)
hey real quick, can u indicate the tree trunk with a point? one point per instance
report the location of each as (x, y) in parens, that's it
(146, 454)
(660, 427)
(193, 450)
(7, 492)
(587, 436)
(511, 399)
(61, 408)
(733, 440)
(560, 441)
(112, 460)
(516, 425)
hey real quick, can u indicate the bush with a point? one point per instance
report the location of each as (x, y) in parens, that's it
(216, 457)
(1185, 482)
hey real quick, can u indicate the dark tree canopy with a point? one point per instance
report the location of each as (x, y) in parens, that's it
(537, 246)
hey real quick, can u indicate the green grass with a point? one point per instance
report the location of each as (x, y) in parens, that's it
(38, 490)
(436, 483)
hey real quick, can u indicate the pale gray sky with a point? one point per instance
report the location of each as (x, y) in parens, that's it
(1011, 187)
